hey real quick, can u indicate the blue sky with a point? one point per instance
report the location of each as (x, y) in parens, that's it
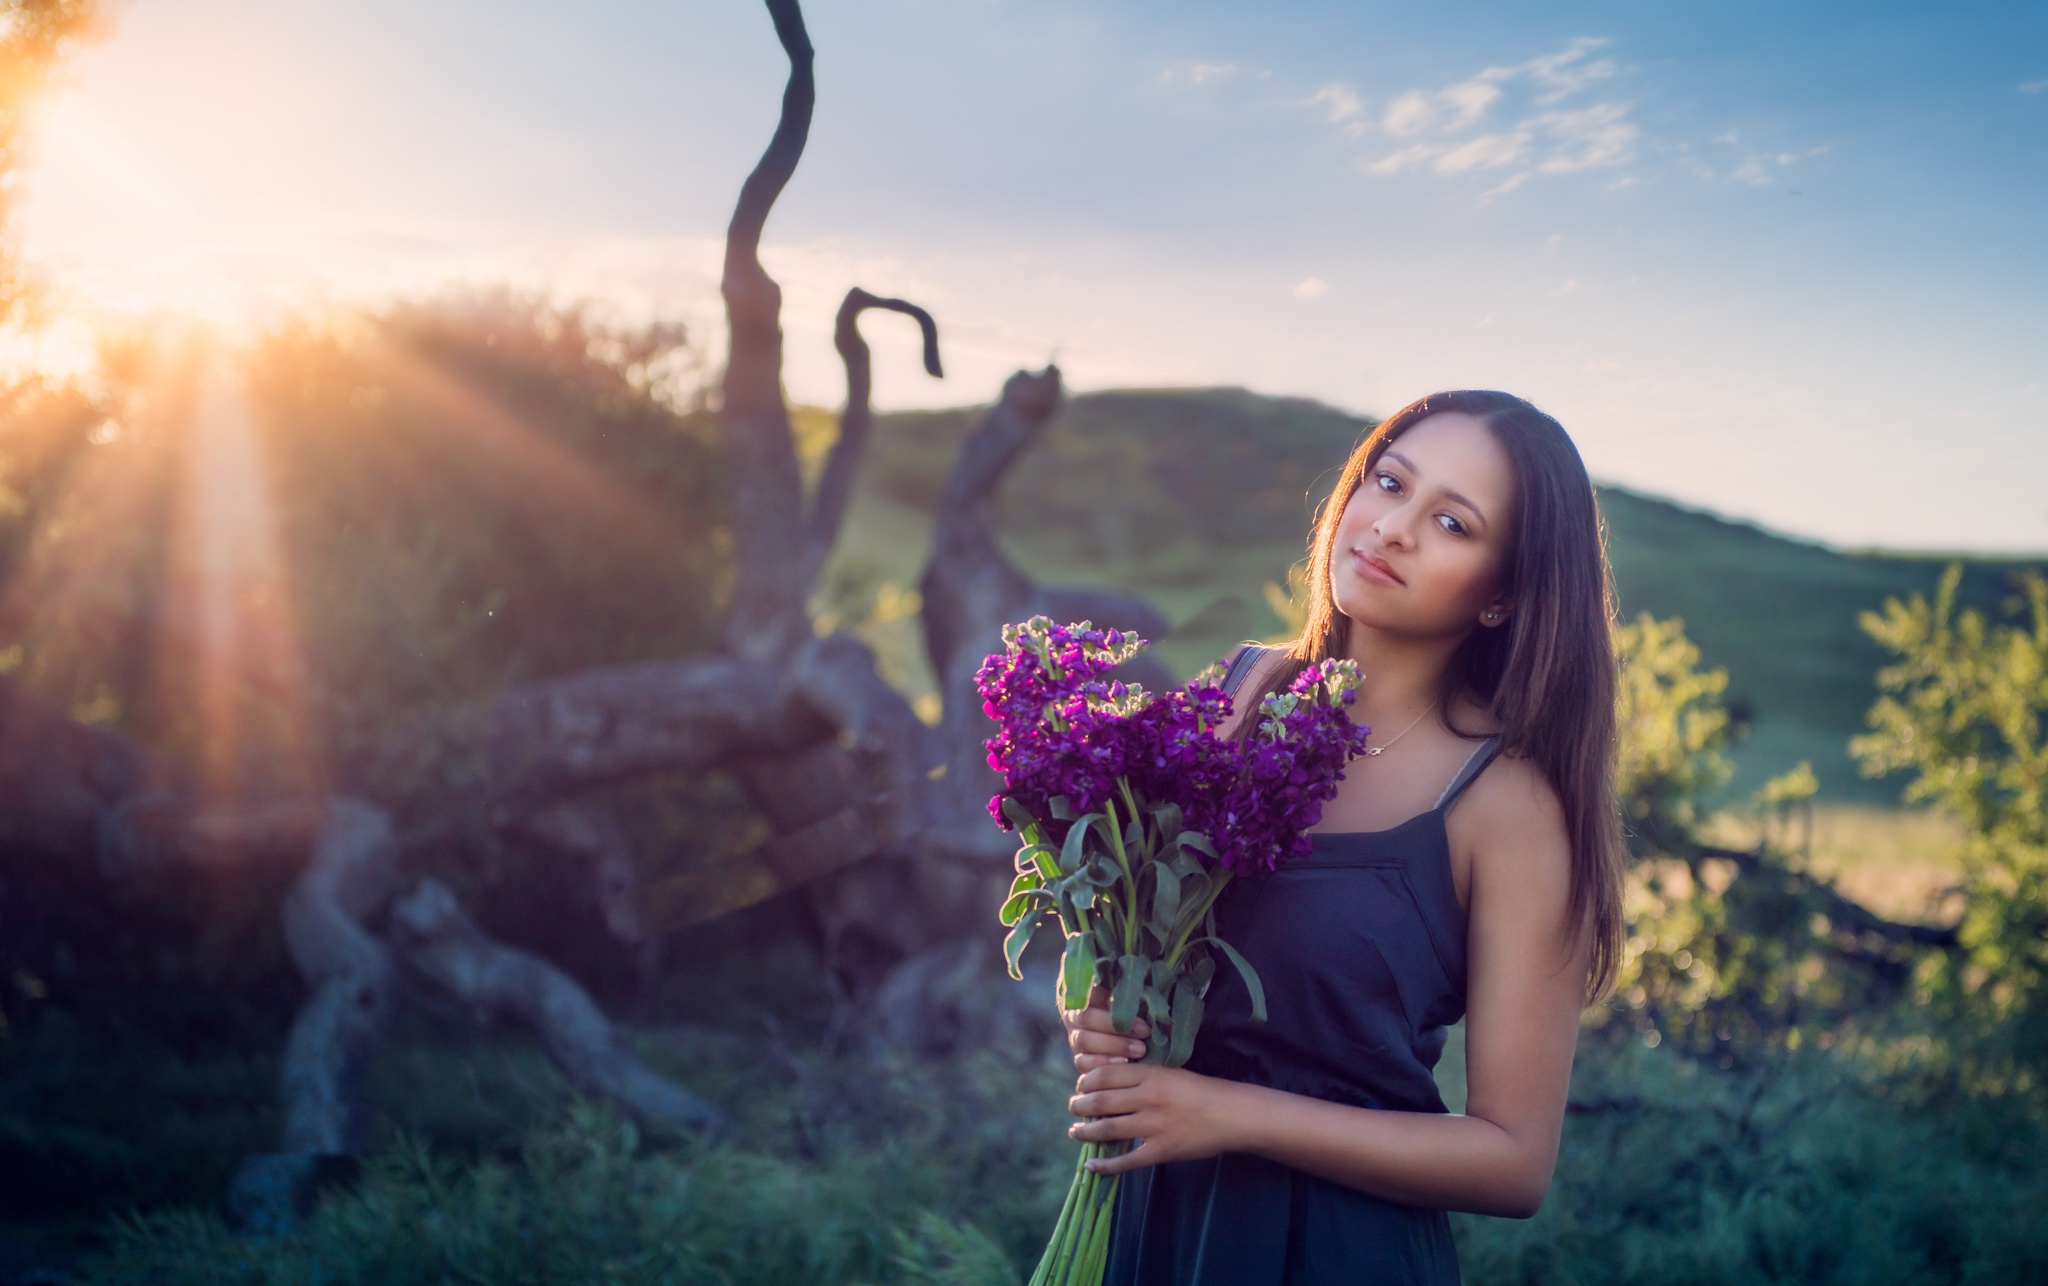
(1784, 261)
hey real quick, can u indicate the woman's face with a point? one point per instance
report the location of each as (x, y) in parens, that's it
(1422, 543)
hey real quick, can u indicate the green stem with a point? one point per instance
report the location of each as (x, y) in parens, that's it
(1084, 1207)
(1049, 1263)
(1123, 859)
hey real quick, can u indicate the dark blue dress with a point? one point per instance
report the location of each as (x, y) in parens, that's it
(1361, 948)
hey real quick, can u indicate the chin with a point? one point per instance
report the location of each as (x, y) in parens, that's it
(1359, 607)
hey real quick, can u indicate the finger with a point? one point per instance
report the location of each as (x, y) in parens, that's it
(1107, 1043)
(1114, 1076)
(1085, 1063)
(1105, 1129)
(1094, 1035)
(1104, 1103)
(1098, 997)
(1146, 1153)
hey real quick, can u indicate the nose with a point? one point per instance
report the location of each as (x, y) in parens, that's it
(1392, 527)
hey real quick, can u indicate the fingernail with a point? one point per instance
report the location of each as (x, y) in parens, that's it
(1114, 1059)
(1137, 1049)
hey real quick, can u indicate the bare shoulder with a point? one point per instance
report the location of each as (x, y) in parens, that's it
(1510, 827)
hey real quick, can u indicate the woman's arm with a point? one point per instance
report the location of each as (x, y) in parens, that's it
(1524, 992)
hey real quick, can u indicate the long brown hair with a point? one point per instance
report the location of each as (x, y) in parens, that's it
(1548, 674)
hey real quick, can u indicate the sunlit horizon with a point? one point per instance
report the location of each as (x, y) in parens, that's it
(1691, 277)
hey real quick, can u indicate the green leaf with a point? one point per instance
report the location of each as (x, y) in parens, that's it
(1198, 842)
(1187, 1020)
(1165, 900)
(1155, 1006)
(1167, 817)
(1028, 878)
(1018, 939)
(1061, 807)
(1193, 894)
(1107, 938)
(1077, 971)
(1027, 857)
(1019, 816)
(1047, 861)
(1076, 847)
(1130, 988)
(1134, 839)
(1250, 976)
(1021, 903)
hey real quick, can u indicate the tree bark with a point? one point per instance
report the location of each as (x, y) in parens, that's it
(350, 973)
(441, 944)
(768, 619)
(835, 483)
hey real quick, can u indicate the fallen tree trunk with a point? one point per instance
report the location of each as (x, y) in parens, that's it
(441, 945)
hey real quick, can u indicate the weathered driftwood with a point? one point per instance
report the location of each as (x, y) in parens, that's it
(348, 969)
(768, 621)
(970, 588)
(441, 945)
(835, 482)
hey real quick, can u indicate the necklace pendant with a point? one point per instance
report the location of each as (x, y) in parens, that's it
(1373, 750)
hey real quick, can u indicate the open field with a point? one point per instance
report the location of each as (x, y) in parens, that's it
(1200, 498)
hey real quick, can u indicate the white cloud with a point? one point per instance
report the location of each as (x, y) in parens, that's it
(1340, 104)
(1560, 141)
(1758, 170)
(1595, 137)
(1196, 73)
(1487, 152)
(2034, 86)
(1468, 101)
(1411, 113)
(1751, 171)
(1312, 288)
(1406, 159)
(1565, 73)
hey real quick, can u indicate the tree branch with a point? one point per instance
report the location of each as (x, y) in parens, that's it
(552, 739)
(443, 945)
(768, 617)
(1851, 915)
(353, 982)
(835, 483)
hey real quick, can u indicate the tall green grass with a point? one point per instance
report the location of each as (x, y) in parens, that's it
(1810, 1167)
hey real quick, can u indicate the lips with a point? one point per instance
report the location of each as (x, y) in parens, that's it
(1375, 568)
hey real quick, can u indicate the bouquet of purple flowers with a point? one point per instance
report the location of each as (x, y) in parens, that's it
(1134, 817)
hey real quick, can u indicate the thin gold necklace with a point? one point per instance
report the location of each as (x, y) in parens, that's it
(1374, 750)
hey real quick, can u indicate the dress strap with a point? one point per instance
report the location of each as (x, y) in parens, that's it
(1241, 666)
(1473, 767)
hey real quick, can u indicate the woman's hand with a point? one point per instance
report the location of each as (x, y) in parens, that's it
(1180, 1115)
(1095, 1041)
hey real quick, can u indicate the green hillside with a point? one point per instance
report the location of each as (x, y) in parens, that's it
(1197, 498)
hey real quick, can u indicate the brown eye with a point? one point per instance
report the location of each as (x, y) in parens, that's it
(1450, 523)
(1387, 482)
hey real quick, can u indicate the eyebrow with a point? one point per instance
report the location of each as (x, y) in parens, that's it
(1448, 494)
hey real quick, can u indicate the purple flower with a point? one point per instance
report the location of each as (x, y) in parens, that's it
(1065, 729)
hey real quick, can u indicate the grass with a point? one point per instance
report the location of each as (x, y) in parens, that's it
(850, 1170)
(1899, 862)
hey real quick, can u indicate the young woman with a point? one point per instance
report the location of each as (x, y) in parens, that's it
(1469, 866)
